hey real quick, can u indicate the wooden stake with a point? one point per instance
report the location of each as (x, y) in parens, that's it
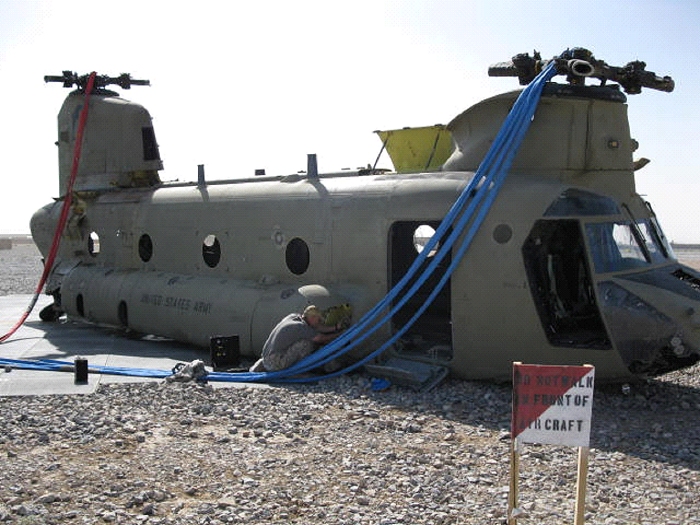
(581, 482)
(514, 475)
(581, 485)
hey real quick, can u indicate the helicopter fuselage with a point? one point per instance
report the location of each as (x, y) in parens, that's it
(570, 265)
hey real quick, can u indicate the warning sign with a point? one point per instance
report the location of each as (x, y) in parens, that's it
(552, 404)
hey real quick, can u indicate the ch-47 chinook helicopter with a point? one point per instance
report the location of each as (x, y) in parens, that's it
(569, 265)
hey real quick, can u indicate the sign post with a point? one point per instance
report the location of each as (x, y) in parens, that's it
(551, 405)
(581, 485)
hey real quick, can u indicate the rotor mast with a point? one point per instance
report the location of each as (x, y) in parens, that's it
(577, 64)
(70, 79)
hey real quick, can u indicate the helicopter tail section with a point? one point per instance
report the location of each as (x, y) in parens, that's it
(119, 148)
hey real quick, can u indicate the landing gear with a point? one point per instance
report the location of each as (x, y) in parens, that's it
(52, 312)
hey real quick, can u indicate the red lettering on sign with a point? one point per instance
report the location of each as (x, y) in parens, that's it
(537, 387)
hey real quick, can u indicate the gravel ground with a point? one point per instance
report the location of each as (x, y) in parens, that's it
(339, 453)
(20, 269)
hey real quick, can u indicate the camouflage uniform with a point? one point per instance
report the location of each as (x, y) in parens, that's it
(289, 341)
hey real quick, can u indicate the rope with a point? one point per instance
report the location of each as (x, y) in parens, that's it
(63, 218)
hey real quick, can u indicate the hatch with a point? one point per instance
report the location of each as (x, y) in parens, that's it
(423, 148)
(417, 375)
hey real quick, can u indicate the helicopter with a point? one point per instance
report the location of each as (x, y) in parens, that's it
(569, 266)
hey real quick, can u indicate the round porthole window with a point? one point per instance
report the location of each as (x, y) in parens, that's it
(297, 256)
(211, 250)
(145, 247)
(421, 237)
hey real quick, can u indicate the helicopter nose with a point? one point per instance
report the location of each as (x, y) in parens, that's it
(654, 319)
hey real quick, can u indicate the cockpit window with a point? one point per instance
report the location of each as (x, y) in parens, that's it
(623, 245)
(659, 233)
(651, 241)
(574, 202)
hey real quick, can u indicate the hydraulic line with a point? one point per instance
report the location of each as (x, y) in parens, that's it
(63, 218)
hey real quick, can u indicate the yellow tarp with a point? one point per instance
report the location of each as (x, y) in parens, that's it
(417, 149)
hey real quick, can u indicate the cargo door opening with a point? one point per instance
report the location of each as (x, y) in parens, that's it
(430, 338)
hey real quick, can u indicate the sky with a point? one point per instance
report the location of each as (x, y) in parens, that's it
(247, 85)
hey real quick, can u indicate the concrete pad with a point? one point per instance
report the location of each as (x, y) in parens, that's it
(65, 340)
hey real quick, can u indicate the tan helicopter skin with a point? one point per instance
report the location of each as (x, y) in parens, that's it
(570, 265)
